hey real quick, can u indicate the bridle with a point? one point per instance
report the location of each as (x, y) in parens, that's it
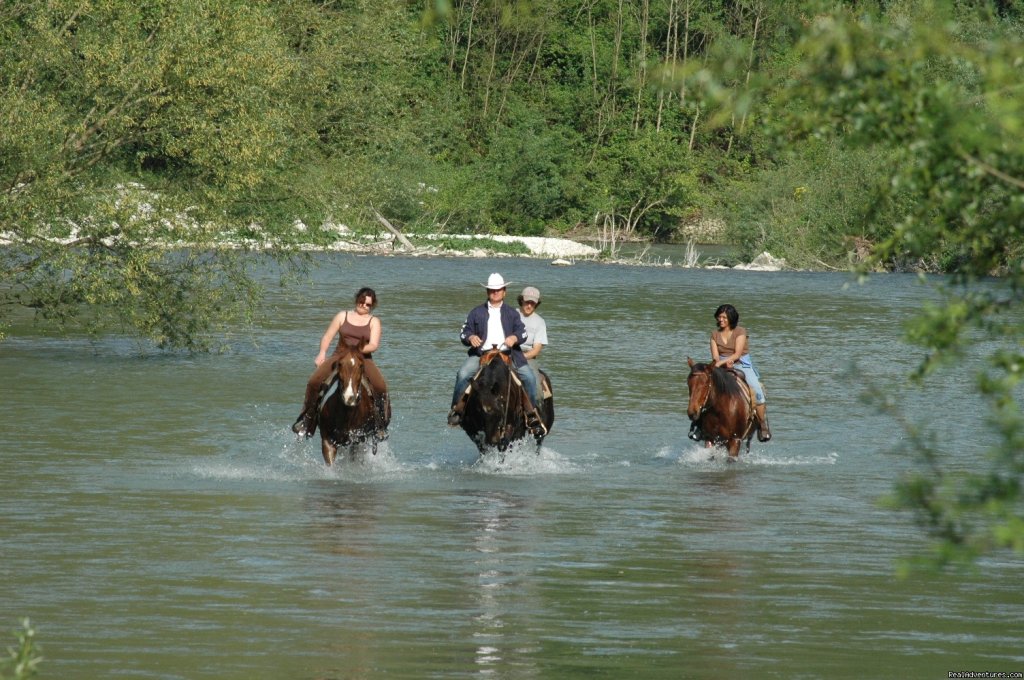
(707, 395)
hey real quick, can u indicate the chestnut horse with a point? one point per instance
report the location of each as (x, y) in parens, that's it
(346, 406)
(721, 407)
(495, 415)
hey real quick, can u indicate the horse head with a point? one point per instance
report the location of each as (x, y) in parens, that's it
(498, 399)
(699, 384)
(350, 371)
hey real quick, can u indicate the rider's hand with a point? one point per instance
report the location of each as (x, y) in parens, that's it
(475, 341)
(511, 341)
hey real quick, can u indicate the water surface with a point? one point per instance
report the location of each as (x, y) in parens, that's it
(159, 520)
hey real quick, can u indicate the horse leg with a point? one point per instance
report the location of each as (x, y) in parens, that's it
(381, 417)
(329, 449)
(733, 446)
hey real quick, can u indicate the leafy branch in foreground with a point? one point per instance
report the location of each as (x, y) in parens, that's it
(947, 104)
(21, 661)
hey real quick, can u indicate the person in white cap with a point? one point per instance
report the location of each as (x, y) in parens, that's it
(536, 333)
(489, 325)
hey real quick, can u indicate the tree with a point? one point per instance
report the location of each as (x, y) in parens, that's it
(940, 85)
(132, 137)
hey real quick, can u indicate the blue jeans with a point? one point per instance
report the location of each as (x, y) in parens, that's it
(472, 365)
(753, 379)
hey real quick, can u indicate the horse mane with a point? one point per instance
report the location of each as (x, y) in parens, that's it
(726, 383)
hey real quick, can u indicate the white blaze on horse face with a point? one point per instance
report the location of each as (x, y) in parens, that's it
(351, 392)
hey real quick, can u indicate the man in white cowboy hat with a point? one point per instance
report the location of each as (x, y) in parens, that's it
(494, 324)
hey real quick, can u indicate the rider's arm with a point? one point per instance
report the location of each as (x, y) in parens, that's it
(468, 335)
(741, 348)
(534, 351)
(518, 334)
(375, 331)
(325, 342)
(714, 351)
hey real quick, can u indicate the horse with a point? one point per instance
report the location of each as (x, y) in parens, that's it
(721, 407)
(346, 407)
(495, 414)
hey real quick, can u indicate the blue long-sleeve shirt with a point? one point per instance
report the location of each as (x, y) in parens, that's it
(511, 324)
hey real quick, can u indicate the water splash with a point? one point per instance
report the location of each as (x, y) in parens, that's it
(523, 458)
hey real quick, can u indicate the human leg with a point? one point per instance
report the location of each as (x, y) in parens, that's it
(462, 378)
(381, 402)
(305, 424)
(538, 395)
(533, 419)
(764, 432)
(529, 380)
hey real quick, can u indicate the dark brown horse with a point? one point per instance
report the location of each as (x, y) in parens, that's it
(495, 414)
(347, 408)
(720, 408)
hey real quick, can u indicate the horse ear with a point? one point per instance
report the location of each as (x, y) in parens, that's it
(689, 362)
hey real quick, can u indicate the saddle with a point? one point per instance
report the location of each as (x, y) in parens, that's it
(741, 378)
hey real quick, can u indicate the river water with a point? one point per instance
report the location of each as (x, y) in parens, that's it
(159, 520)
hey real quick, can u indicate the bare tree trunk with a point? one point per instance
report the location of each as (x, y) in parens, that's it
(671, 51)
(750, 62)
(469, 44)
(645, 17)
(390, 227)
(491, 68)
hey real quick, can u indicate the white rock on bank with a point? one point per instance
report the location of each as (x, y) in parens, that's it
(764, 263)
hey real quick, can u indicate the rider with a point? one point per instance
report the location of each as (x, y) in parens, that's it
(536, 333)
(489, 325)
(352, 328)
(730, 348)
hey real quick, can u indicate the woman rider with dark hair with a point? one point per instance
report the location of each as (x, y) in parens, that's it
(730, 348)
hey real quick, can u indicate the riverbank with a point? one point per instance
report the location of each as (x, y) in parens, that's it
(562, 251)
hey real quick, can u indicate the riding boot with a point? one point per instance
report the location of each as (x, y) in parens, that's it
(380, 419)
(458, 408)
(764, 433)
(305, 425)
(533, 420)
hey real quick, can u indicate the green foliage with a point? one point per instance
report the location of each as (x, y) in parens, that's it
(22, 661)
(816, 207)
(946, 102)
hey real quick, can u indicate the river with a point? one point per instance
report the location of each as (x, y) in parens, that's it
(159, 520)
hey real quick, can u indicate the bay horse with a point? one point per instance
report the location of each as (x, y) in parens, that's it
(495, 415)
(721, 407)
(346, 406)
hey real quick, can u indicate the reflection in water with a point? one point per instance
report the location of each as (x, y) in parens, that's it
(343, 522)
(343, 519)
(496, 525)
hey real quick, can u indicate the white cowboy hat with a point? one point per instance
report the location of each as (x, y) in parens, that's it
(495, 282)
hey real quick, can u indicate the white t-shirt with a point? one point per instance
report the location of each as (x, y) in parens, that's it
(495, 333)
(536, 331)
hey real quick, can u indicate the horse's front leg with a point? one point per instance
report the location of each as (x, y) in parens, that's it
(329, 449)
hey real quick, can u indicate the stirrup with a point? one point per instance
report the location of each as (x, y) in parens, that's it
(536, 425)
